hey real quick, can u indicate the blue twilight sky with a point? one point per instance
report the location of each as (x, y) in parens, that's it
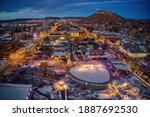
(10, 9)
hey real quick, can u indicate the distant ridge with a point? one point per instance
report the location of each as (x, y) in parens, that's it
(15, 20)
(25, 19)
(73, 17)
(64, 17)
(52, 18)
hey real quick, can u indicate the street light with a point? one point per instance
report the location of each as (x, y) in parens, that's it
(61, 86)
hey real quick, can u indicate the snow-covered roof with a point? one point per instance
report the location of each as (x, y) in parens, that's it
(144, 63)
(96, 73)
(14, 91)
(45, 89)
(59, 53)
(2, 62)
(120, 66)
(116, 62)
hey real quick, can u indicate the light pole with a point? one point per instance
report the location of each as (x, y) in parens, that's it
(61, 86)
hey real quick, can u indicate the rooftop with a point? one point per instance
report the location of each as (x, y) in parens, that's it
(14, 91)
(6, 40)
(134, 48)
(90, 73)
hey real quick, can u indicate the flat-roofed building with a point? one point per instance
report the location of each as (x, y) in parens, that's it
(15, 91)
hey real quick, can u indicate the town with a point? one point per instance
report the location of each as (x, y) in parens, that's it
(100, 57)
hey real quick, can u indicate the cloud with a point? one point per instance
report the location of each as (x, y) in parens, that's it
(92, 3)
(10, 9)
(16, 5)
(23, 13)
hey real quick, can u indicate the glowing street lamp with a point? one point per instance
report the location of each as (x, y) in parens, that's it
(61, 86)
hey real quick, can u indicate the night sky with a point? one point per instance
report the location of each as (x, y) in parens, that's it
(11, 9)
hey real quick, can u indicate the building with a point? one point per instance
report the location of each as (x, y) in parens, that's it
(60, 54)
(134, 50)
(95, 53)
(3, 63)
(7, 45)
(15, 92)
(95, 75)
(119, 68)
(74, 34)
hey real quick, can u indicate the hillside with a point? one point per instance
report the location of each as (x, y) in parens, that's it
(107, 20)
(101, 17)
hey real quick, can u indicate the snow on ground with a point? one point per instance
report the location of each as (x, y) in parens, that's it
(104, 95)
(45, 89)
(39, 97)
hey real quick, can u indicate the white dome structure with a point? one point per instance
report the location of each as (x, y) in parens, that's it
(94, 74)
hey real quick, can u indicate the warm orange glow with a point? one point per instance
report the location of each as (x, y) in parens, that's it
(74, 34)
(91, 67)
(60, 85)
(62, 38)
(82, 69)
(125, 84)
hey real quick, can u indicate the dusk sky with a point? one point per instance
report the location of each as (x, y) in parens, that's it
(11, 9)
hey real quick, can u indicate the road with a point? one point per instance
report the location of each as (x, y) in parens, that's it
(17, 58)
(133, 62)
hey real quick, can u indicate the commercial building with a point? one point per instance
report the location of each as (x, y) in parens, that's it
(15, 92)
